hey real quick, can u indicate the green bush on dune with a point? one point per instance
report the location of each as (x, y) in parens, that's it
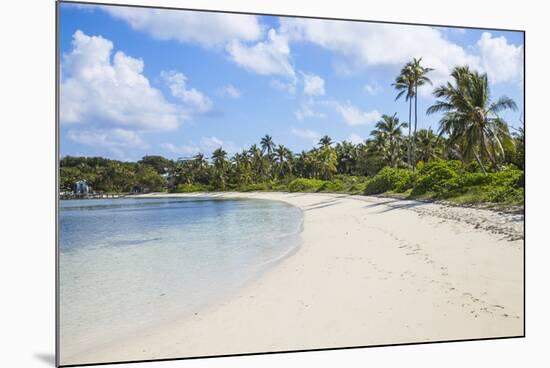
(434, 176)
(338, 184)
(305, 185)
(390, 179)
(450, 180)
(190, 188)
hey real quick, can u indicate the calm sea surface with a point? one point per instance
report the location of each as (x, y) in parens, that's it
(127, 264)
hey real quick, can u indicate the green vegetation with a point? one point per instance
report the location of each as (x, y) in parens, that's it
(472, 158)
(451, 181)
(110, 176)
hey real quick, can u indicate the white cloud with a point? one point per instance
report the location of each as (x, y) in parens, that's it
(289, 87)
(211, 143)
(229, 91)
(355, 138)
(181, 150)
(203, 28)
(306, 111)
(269, 57)
(205, 145)
(353, 116)
(177, 82)
(109, 138)
(307, 134)
(373, 88)
(313, 85)
(103, 90)
(367, 44)
(501, 60)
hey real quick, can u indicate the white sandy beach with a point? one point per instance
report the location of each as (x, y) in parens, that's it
(370, 271)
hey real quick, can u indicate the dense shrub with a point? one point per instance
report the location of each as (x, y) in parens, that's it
(255, 187)
(332, 186)
(305, 185)
(504, 194)
(435, 175)
(189, 188)
(452, 181)
(398, 180)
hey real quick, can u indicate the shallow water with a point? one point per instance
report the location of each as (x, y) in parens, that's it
(127, 264)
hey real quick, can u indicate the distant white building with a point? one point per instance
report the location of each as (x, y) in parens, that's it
(82, 187)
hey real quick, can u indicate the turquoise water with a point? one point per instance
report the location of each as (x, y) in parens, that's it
(127, 264)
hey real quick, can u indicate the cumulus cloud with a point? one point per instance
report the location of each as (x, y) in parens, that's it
(306, 110)
(372, 88)
(502, 61)
(202, 28)
(268, 57)
(229, 91)
(241, 36)
(313, 85)
(370, 44)
(116, 137)
(307, 134)
(98, 88)
(289, 87)
(177, 82)
(353, 116)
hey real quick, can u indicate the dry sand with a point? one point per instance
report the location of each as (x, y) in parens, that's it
(370, 271)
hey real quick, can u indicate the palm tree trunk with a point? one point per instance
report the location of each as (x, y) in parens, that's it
(491, 157)
(415, 125)
(480, 163)
(409, 141)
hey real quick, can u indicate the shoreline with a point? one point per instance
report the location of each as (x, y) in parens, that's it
(370, 271)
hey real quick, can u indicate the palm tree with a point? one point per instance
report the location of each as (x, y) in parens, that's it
(390, 126)
(220, 167)
(258, 162)
(326, 141)
(519, 138)
(302, 165)
(419, 77)
(200, 168)
(267, 144)
(242, 168)
(471, 118)
(219, 158)
(283, 158)
(387, 138)
(428, 145)
(404, 83)
(324, 161)
(346, 156)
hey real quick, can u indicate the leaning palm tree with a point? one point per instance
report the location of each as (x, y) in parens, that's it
(325, 142)
(404, 83)
(471, 119)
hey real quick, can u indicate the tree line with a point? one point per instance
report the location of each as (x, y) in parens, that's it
(470, 131)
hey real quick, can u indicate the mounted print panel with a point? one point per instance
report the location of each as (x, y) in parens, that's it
(236, 184)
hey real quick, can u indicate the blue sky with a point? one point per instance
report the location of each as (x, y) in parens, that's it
(141, 81)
